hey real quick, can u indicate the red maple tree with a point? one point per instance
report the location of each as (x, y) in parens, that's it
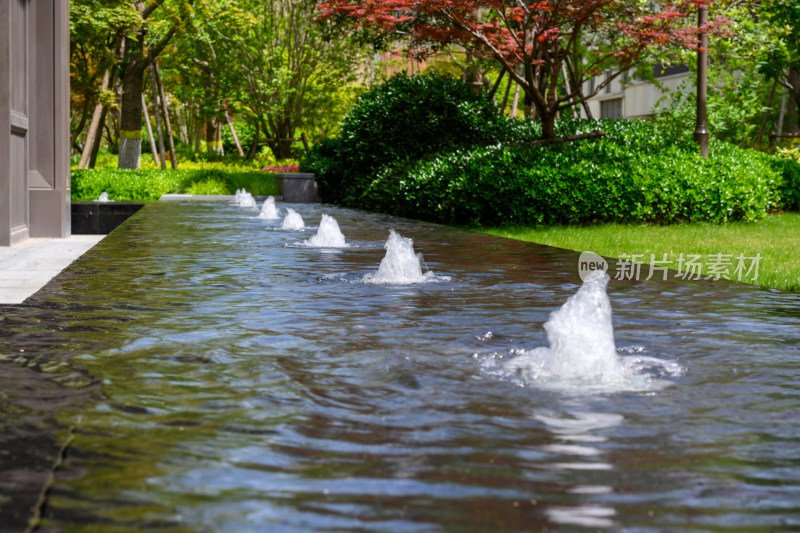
(549, 47)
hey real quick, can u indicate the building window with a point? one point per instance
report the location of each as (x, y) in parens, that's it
(611, 109)
(661, 70)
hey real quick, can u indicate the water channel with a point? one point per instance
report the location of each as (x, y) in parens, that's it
(211, 371)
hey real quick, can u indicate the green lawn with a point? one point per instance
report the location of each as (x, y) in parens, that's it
(776, 239)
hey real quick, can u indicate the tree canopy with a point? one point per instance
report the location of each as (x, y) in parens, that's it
(558, 44)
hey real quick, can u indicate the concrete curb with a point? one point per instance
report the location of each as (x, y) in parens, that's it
(207, 198)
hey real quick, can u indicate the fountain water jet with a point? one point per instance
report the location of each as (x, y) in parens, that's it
(269, 211)
(582, 349)
(400, 265)
(328, 235)
(293, 220)
(243, 198)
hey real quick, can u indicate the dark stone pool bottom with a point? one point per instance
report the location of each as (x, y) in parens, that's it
(208, 378)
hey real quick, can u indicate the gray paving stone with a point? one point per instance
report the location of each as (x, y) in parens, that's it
(28, 266)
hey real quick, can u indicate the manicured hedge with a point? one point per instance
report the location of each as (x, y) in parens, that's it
(149, 185)
(399, 121)
(592, 181)
(492, 175)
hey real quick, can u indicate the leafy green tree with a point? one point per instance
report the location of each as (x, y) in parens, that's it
(96, 31)
(281, 65)
(757, 55)
(161, 20)
(197, 70)
(782, 58)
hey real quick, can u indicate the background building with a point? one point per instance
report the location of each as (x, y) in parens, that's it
(34, 120)
(635, 98)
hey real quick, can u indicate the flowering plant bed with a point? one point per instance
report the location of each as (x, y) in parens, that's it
(284, 168)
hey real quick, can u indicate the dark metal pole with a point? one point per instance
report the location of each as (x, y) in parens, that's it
(701, 129)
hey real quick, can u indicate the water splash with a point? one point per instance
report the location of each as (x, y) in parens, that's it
(293, 220)
(269, 211)
(104, 197)
(328, 235)
(401, 265)
(581, 348)
(243, 198)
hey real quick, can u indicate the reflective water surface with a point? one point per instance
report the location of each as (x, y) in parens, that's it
(215, 379)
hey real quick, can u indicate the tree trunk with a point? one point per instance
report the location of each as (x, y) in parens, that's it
(112, 125)
(135, 63)
(157, 115)
(793, 103)
(233, 133)
(198, 124)
(763, 127)
(149, 132)
(515, 102)
(251, 154)
(95, 126)
(130, 135)
(82, 123)
(98, 140)
(505, 97)
(173, 158)
(564, 73)
(214, 137)
(281, 147)
(284, 149)
(548, 118)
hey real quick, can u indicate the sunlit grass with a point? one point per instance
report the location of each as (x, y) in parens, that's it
(776, 239)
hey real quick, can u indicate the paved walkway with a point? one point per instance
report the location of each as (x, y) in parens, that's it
(28, 266)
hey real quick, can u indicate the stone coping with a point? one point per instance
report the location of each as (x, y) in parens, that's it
(208, 198)
(295, 175)
(28, 266)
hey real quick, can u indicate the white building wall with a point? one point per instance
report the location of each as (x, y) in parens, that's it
(638, 97)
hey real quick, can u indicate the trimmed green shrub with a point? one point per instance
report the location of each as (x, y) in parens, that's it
(124, 185)
(149, 185)
(257, 183)
(428, 148)
(397, 122)
(208, 186)
(601, 180)
(789, 169)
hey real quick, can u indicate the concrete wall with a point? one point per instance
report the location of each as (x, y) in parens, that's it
(34, 120)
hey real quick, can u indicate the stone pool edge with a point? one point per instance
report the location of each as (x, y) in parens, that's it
(30, 265)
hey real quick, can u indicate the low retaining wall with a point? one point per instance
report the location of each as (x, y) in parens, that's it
(207, 198)
(100, 218)
(298, 187)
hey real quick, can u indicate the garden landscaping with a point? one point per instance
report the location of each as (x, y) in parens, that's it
(426, 147)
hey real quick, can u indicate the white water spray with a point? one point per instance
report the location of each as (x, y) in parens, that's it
(328, 235)
(243, 198)
(269, 211)
(293, 220)
(581, 340)
(400, 265)
(581, 347)
(104, 197)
